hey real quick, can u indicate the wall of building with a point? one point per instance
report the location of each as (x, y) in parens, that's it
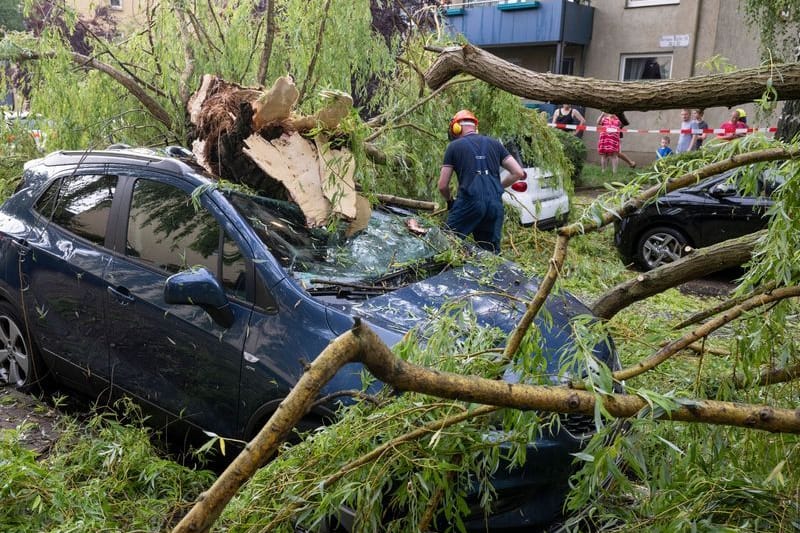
(125, 12)
(714, 27)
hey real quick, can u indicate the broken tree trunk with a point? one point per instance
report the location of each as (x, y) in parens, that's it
(255, 137)
(361, 344)
(700, 262)
(616, 96)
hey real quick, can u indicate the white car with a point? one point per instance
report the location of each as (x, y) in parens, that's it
(539, 197)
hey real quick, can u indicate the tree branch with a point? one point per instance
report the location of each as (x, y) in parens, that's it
(380, 119)
(361, 344)
(377, 452)
(307, 83)
(136, 90)
(700, 262)
(731, 89)
(724, 306)
(674, 347)
(269, 38)
(771, 376)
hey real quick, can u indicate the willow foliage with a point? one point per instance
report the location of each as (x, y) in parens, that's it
(322, 44)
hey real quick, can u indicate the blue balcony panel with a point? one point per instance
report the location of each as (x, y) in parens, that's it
(489, 26)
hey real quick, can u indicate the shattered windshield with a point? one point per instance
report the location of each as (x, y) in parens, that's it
(391, 244)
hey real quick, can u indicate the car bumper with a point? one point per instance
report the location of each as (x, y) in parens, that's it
(531, 496)
(544, 214)
(623, 240)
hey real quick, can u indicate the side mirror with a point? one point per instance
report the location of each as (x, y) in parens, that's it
(200, 287)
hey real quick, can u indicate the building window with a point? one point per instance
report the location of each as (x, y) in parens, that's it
(647, 3)
(567, 66)
(645, 67)
(115, 4)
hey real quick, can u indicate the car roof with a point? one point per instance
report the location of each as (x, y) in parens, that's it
(143, 157)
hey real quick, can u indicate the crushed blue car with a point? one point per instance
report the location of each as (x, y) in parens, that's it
(128, 273)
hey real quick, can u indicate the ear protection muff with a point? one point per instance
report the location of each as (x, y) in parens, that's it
(455, 128)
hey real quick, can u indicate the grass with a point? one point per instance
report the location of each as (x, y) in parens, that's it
(592, 176)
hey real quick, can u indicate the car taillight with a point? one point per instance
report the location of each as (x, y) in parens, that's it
(519, 186)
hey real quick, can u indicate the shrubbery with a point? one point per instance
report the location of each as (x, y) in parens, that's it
(575, 150)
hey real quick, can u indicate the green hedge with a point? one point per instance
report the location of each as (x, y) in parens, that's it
(575, 150)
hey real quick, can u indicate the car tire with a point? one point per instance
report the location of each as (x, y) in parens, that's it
(20, 364)
(660, 246)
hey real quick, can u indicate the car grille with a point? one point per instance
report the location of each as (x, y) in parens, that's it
(580, 426)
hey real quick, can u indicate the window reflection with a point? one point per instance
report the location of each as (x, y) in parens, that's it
(83, 205)
(166, 230)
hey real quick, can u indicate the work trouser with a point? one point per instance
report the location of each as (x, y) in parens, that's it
(481, 217)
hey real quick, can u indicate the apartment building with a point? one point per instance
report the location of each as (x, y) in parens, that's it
(626, 40)
(125, 12)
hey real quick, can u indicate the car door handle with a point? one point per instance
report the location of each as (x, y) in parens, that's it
(121, 295)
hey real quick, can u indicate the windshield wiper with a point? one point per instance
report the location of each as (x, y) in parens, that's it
(344, 289)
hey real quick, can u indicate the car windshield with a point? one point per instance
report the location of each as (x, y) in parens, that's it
(320, 256)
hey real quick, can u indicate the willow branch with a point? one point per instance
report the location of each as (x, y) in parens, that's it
(380, 119)
(361, 344)
(772, 376)
(313, 63)
(701, 348)
(735, 312)
(188, 58)
(377, 453)
(269, 38)
(698, 317)
(701, 262)
(545, 286)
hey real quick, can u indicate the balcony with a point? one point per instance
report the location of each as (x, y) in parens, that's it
(522, 22)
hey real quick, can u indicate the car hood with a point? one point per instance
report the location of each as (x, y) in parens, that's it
(498, 300)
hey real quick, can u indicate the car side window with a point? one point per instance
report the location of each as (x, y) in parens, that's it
(47, 201)
(83, 205)
(168, 232)
(234, 269)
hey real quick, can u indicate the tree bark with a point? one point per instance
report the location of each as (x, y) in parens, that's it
(126, 81)
(361, 344)
(714, 90)
(772, 376)
(269, 38)
(700, 262)
(706, 329)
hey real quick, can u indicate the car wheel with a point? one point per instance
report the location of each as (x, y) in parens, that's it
(660, 246)
(18, 361)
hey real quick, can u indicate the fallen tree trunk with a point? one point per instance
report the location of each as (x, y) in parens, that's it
(729, 89)
(361, 344)
(701, 262)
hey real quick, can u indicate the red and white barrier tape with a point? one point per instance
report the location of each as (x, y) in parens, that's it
(688, 131)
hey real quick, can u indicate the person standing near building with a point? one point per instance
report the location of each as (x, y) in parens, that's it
(608, 140)
(664, 150)
(685, 137)
(476, 160)
(730, 126)
(567, 116)
(698, 124)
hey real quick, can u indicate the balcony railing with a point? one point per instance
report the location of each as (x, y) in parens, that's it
(521, 22)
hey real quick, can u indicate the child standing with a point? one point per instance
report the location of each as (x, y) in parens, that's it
(665, 150)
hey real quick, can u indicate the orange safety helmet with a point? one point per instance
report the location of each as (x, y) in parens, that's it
(464, 114)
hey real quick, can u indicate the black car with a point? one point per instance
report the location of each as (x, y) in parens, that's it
(709, 212)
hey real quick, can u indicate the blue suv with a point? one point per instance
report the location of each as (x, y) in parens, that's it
(126, 272)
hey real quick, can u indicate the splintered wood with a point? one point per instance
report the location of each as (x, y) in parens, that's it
(318, 178)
